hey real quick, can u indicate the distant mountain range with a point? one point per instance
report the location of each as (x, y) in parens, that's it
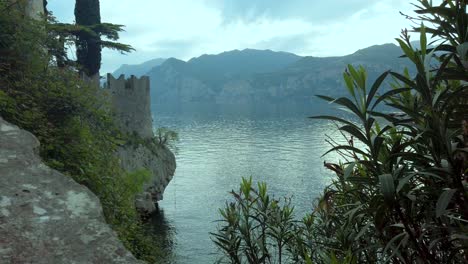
(260, 76)
(137, 69)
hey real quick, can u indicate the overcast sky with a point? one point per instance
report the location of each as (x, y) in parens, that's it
(189, 28)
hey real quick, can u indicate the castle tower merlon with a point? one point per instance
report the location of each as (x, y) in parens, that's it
(131, 102)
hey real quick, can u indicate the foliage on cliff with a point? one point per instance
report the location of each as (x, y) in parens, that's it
(401, 189)
(67, 115)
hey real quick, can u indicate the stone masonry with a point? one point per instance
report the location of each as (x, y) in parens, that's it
(130, 100)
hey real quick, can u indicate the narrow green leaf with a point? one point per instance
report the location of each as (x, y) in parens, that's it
(389, 94)
(403, 181)
(438, 95)
(387, 187)
(363, 230)
(406, 49)
(348, 170)
(349, 148)
(462, 51)
(351, 213)
(388, 117)
(392, 241)
(442, 11)
(460, 236)
(441, 69)
(443, 201)
(377, 144)
(427, 61)
(326, 98)
(423, 40)
(349, 83)
(354, 131)
(375, 87)
(361, 180)
(403, 78)
(350, 105)
(457, 218)
(355, 75)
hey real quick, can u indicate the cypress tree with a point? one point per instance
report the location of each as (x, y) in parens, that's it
(88, 46)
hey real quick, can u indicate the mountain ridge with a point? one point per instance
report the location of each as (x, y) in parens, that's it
(252, 76)
(137, 69)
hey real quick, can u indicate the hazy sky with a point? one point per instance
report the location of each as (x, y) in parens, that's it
(189, 28)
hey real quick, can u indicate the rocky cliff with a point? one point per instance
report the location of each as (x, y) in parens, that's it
(130, 99)
(46, 217)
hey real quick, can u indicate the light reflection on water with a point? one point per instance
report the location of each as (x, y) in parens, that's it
(216, 150)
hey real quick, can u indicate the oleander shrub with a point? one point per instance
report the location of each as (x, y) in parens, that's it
(400, 194)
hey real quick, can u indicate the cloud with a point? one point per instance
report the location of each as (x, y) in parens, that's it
(294, 43)
(187, 28)
(313, 11)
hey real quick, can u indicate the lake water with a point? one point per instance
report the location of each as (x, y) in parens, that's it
(220, 146)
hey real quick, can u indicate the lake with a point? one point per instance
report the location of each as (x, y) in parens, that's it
(219, 146)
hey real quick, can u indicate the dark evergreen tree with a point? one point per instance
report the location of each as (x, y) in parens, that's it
(88, 47)
(46, 12)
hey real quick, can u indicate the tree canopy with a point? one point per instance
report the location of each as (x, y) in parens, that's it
(89, 35)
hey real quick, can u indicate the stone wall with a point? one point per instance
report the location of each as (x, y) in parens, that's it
(130, 99)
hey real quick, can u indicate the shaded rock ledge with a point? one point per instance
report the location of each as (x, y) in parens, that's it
(45, 216)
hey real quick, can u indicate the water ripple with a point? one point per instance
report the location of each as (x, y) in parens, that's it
(213, 156)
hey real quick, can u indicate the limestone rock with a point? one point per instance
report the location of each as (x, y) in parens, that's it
(45, 216)
(160, 161)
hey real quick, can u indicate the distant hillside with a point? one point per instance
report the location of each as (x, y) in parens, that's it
(263, 76)
(236, 63)
(137, 69)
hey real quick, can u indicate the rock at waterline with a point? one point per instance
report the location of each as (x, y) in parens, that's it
(46, 217)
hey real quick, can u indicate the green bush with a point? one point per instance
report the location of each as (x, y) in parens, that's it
(257, 228)
(72, 123)
(401, 193)
(166, 137)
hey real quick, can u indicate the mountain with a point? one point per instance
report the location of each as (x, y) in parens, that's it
(137, 69)
(263, 76)
(236, 63)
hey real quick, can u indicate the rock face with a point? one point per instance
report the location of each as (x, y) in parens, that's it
(161, 163)
(130, 99)
(46, 217)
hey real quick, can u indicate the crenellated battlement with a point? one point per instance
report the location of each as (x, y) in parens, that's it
(131, 101)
